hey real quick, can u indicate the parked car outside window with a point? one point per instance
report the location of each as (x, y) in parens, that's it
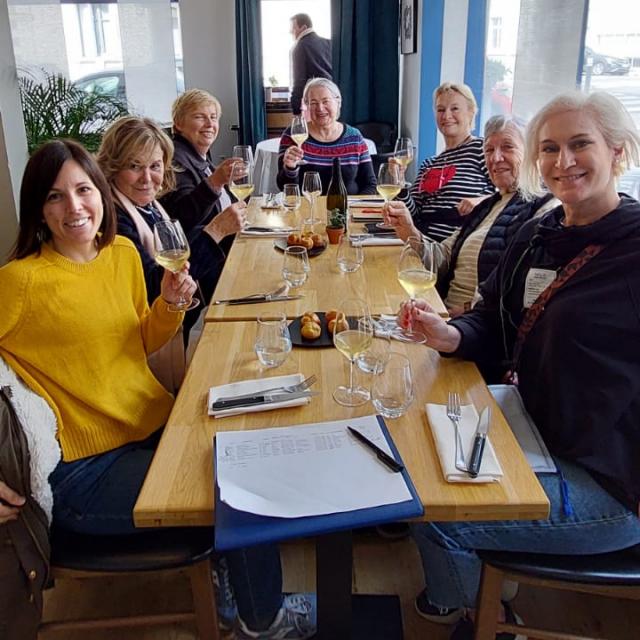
(602, 64)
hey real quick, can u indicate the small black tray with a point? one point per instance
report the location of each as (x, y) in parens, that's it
(325, 339)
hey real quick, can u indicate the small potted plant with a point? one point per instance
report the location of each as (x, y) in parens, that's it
(335, 228)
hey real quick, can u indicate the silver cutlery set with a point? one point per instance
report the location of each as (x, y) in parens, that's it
(278, 295)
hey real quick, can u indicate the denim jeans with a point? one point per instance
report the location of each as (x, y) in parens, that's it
(96, 495)
(599, 524)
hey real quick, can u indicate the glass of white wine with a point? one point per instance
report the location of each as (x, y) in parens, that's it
(299, 132)
(352, 336)
(311, 188)
(172, 252)
(241, 181)
(403, 155)
(390, 179)
(417, 273)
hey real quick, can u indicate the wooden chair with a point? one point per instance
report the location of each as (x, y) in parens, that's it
(615, 574)
(82, 556)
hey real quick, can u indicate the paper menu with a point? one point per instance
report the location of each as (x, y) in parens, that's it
(305, 470)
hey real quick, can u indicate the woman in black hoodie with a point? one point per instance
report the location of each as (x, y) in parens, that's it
(561, 313)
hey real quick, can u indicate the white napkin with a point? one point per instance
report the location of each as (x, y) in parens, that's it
(444, 435)
(275, 233)
(254, 386)
(380, 242)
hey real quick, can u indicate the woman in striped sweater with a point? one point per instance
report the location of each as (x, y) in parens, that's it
(327, 139)
(454, 181)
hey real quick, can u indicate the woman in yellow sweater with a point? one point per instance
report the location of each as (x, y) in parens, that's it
(77, 328)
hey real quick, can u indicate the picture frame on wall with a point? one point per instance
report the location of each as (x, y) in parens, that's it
(408, 26)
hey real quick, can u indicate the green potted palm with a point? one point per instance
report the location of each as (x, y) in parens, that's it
(336, 226)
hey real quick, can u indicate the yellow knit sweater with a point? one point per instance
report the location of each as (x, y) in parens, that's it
(79, 334)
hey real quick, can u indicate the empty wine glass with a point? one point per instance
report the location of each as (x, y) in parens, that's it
(241, 181)
(376, 356)
(243, 152)
(273, 342)
(352, 336)
(172, 252)
(403, 155)
(417, 273)
(299, 132)
(295, 266)
(392, 387)
(311, 188)
(350, 255)
(292, 197)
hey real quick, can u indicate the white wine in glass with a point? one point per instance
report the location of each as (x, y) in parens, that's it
(172, 252)
(389, 181)
(352, 337)
(417, 273)
(299, 132)
(241, 181)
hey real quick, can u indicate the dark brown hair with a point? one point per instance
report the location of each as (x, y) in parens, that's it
(39, 176)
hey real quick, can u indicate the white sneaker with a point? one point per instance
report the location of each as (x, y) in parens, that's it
(296, 620)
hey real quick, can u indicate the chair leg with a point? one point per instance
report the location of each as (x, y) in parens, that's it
(204, 600)
(488, 604)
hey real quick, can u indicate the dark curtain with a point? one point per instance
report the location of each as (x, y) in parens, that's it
(249, 72)
(364, 36)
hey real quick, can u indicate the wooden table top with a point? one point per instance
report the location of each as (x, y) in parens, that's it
(178, 490)
(253, 266)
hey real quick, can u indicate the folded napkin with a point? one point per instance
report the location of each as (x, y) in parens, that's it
(372, 202)
(254, 386)
(380, 242)
(445, 437)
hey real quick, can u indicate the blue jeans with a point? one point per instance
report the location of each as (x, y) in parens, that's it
(96, 495)
(599, 524)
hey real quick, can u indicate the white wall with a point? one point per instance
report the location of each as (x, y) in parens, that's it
(13, 142)
(209, 47)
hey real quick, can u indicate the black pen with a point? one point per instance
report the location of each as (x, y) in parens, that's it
(384, 457)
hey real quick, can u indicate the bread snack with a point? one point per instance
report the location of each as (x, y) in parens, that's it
(308, 239)
(293, 239)
(309, 316)
(310, 330)
(317, 240)
(331, 314)
(339, 323)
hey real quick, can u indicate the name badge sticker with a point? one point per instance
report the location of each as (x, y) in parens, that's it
(537, 281)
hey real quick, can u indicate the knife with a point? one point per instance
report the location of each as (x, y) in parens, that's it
(269, 229)
(257, 299)
(265, 398)
(479, 441)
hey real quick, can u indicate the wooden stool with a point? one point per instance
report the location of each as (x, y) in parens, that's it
(615, 574)
(81, 556)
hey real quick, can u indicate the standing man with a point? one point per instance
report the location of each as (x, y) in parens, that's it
(310, 57)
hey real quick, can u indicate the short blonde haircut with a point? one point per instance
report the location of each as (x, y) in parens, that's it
(611, 119)
(188, 102)
(132, 138)
(463, 90)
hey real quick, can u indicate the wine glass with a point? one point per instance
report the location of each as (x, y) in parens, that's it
(417, 273)
(352, 336)
(299, 132)
(403, 155)
(172, 252)
(241, 181)
(295, 266)
(311, 188)
(390, 178)
(375, 358)
(350, 255)
(392, 387)
(243, 152)
(273, 342)
(292, 197)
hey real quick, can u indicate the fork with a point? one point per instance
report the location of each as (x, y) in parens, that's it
(454, 413)
(282, 289)
(294, 388)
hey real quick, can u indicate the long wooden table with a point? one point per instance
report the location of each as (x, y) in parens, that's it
(178, 490)
(254, 266)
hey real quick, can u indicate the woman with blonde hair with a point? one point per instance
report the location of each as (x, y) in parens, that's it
(562, 312)
(199, 198)
(452, 183)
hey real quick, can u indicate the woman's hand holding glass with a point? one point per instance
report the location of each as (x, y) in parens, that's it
(397, 215)
(222, 174)
(420, 315)
(172, 252)
(417, 273)
(232, 220)
(352, 336)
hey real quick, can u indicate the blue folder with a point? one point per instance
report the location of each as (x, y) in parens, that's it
(235, 528)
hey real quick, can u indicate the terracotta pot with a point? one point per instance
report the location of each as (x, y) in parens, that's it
(334, 234)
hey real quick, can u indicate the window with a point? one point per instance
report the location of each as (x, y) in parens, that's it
(496, 31)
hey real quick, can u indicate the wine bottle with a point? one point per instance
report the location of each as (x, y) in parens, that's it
(337, 192)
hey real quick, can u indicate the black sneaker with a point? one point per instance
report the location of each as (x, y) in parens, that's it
(433, 613)
(393, 530)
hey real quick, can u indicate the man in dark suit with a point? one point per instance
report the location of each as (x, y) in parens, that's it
(310, 57)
